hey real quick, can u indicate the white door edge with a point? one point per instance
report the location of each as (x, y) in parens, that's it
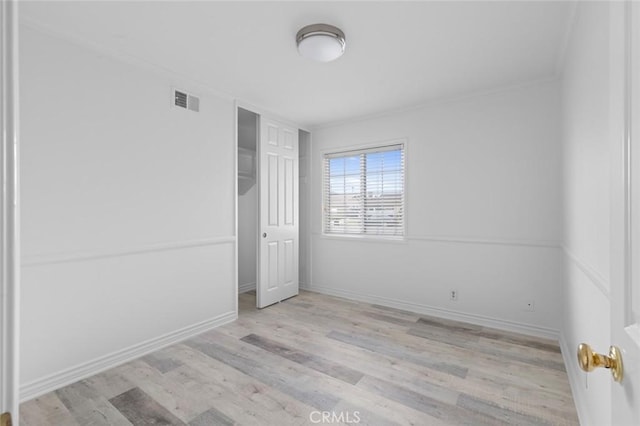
(625, 205)
(9, 212)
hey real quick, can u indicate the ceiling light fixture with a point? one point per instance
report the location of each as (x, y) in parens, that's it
(321, 42)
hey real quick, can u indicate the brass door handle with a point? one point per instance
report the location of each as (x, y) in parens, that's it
(5, 419)
(589, 360)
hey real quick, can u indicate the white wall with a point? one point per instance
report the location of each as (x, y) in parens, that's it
(483, 210)
(585, 99)
(127, 211)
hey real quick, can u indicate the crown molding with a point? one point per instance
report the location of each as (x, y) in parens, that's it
(442, 101)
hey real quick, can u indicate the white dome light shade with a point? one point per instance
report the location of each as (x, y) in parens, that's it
(321, 42)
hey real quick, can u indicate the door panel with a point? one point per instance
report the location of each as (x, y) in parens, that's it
(272, 189)
(278, 211)
(289, 194)
(288, 262)
(624, 68)
(272, 135)
(272, 262)
(288, 139)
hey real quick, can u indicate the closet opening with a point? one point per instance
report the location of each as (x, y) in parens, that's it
(248, 133)
(268, 217)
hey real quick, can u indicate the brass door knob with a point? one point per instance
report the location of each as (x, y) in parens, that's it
(589, 360)
(5, 419)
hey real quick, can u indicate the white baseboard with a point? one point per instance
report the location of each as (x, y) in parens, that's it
(243, 288)
(497, 323)
(71, 375)
(574, 381)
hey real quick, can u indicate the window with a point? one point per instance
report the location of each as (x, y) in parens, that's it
(363, 191)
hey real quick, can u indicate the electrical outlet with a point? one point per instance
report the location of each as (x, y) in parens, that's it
(453, 295)
(529, 305)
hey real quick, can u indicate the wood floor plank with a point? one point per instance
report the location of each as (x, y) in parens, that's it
(299, 303)
(522, 383)
(285, 410)
(239, 396)
(161, 361)
(312, 336)
(109, 383)
(315, 353)
(464, 329)
(317, 363)
(355, 325)
(354, 357)
(474, 343)
(411, 376)
(380, 347)
(396, 311)
(142, 410)
(557, 409)
(167, 392)
(381, 409)
(211, 417)
(486, 363)
(492, 410)
(509, 394)
(46, 410)
(306, 394)
(340, 318)
(443, 410)
(364, 415)
(88, 407)
(430, 390)
(449, 324)
(380, 406)
(439, 335)
(390, 319)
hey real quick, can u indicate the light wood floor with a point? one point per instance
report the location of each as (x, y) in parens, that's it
(289, 363)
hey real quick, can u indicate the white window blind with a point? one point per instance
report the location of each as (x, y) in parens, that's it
(364, 191)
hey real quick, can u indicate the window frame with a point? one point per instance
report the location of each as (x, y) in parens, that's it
(323, 178)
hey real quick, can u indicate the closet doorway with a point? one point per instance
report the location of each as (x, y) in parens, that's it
(268, 208)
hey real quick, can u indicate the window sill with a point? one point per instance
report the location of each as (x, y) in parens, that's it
(364, 238)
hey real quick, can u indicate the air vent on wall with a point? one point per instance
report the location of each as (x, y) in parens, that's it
(184, 100)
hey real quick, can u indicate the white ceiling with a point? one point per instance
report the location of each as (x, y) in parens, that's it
(399, 54)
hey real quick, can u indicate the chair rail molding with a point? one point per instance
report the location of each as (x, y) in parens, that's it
(600, 282)
(81, 256)
(447, 239)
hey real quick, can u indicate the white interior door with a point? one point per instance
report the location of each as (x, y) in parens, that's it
(625, 208)
(278, 212)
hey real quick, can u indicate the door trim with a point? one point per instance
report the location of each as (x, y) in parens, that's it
(269, 114)
(10, 212)
(261, 113)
